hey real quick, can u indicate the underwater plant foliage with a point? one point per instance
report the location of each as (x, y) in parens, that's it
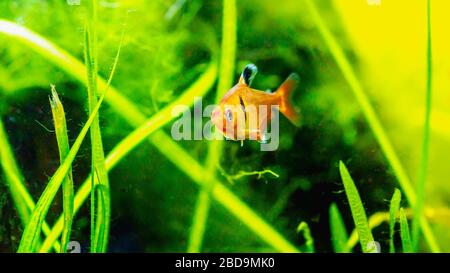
(351, 169)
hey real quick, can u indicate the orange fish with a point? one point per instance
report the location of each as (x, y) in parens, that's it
(241, 115)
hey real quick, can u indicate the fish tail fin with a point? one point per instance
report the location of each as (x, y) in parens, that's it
(285, 91)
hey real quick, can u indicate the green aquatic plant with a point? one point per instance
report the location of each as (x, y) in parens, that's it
(30, 236)
(100, 215)
(374, 221)
(372, 118)
(393, 212)
(14, 178)
(423, 167)
(339, 235)
(303, 228)
(241, 174)
(62, 139)
(226, 75)
(404, 233)
(357, 209)
(396, 213)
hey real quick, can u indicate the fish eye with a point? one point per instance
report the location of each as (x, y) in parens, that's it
(228, 114)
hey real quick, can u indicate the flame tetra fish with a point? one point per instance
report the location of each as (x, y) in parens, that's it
(243, 113)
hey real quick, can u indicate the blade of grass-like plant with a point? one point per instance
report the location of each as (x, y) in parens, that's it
(199, 220)
(309, 240)
(372, 119)
(34, 226)
(100, 216)
(404, 233)
(127, 110)
(374, 221)
(423, 167)
(227, 60)
(357, 208)
(378, 218)
(13, 176)
(59, 120)
(22, 199)
(228, 48)
(393, 211)
(28, 241)
(339, 235)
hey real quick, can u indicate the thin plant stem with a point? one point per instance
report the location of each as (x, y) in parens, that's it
(100, 210)
(423, 167)
(215, 147)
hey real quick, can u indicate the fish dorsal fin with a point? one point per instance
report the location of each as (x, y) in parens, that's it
(248, 74)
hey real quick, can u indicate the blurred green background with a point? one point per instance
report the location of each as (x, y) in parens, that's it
(167, 45)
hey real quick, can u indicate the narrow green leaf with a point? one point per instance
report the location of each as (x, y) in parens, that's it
(59, 120)
(13, 177)
(393, 211)
(100, 218)
(423, 167)
(226, 74)
(309, 240)
(375, 220)
(357, 208)
(228, 48)
(404, 233)
(339, 235)
(100, 212)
